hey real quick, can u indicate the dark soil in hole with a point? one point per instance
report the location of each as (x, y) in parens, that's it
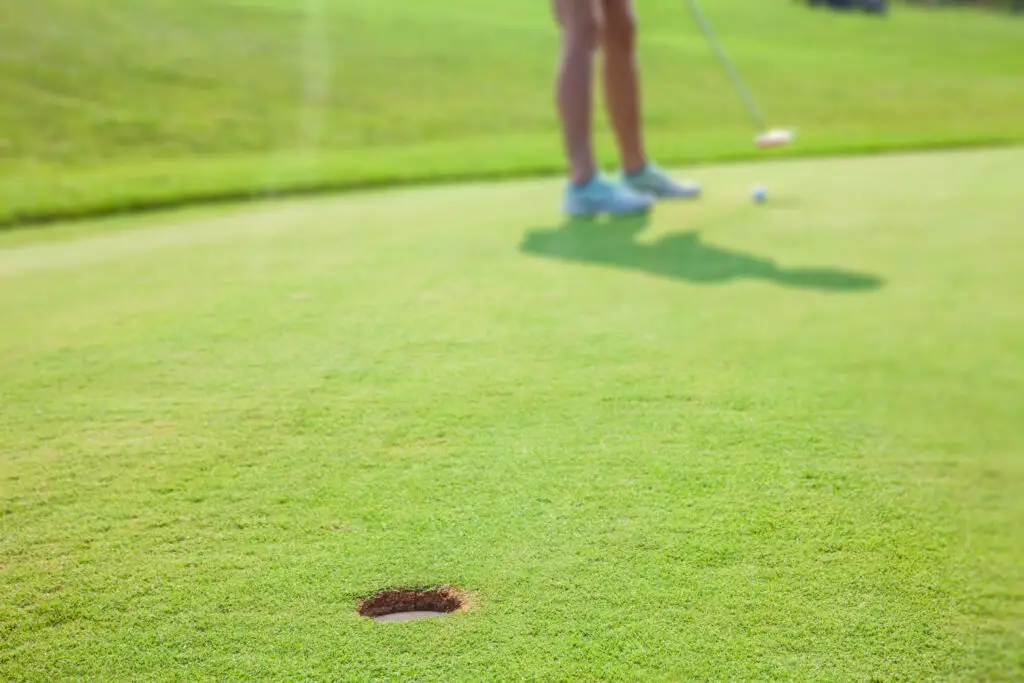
(443, 600)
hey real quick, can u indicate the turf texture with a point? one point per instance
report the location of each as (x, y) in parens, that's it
(728, 442)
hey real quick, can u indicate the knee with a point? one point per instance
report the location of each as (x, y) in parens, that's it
(619, 33)
(583, 33)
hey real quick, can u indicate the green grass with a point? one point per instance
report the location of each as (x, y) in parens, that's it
(135, 103)
(746, 443)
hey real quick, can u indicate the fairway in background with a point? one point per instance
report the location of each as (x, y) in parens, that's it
(133, 103)
(648, 452)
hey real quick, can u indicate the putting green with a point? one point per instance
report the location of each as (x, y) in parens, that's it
(730, 442)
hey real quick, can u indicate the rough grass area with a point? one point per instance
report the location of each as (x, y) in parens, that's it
(123, 104)
(738, 442)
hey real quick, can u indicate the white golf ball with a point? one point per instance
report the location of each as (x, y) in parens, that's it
(759, 194)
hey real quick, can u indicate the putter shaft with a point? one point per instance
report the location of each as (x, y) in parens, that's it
(751, 105)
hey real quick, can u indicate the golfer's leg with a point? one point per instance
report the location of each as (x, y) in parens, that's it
(580, 33)
(622, 81)
(622, 89)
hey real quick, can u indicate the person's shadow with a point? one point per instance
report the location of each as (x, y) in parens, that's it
(682, 256)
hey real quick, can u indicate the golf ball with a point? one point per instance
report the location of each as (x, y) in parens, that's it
(759, 194)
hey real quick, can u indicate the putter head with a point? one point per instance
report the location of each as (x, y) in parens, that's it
(774, 138)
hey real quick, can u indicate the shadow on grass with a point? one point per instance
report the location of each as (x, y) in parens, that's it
(681, 256)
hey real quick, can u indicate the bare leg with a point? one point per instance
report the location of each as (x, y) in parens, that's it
(580, 35)
(622, 81)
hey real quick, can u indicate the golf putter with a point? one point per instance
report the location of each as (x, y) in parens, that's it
(766, 138)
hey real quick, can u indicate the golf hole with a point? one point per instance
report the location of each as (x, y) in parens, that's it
(400, 604)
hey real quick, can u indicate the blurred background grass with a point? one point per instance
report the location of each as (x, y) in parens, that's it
(134, 103)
